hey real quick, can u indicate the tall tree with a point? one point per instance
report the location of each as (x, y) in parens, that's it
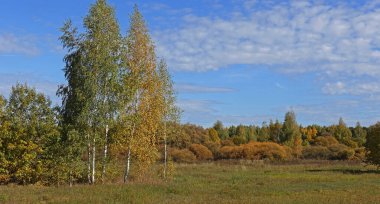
(373, 144)
(94, 59)
(263, 135)
(144, 109)
(359, 134)
(170, 110)
(291, 134)
(342, 133)
(275, 131)
(222, 132)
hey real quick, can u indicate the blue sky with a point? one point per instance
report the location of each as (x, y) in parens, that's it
(238, 61)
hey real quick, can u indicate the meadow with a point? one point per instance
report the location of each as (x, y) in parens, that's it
(225, 182)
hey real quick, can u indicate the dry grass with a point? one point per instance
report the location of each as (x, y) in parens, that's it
(225, 182)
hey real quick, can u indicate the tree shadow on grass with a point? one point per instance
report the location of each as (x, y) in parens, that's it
(347, 171)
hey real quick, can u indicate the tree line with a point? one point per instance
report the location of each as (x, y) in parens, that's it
(277, 140)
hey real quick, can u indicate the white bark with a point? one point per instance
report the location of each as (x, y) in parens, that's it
(93, 162)
(105, 155)
(89, 160)
(128, 165)
(71, 178)
(166, 152)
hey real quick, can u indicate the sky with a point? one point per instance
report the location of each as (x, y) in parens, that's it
(237, 61)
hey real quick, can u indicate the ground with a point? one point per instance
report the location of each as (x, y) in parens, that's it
(225, 182)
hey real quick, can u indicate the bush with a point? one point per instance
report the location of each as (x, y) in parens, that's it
(341, 152)
(228, 142)
(316, 152)
(325, 141)
(360, 153)
(182, 155)
(255, 151)
(264, 150)
(231, 152)
(214, 148)
(201, 152)
(332, 152)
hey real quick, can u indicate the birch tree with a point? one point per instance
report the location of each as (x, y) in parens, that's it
(90, 98)
(170, 111)
(143, 108)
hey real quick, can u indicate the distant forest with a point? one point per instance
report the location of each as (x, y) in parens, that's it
(118, 120)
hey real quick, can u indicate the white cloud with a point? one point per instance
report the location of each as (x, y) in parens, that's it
(295, 37)
(358, 88)
(13, 44)
(192, 88)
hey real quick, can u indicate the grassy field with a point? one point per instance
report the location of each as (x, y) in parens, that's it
(225, 182)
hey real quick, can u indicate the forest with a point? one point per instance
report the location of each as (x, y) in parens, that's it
(119, 122)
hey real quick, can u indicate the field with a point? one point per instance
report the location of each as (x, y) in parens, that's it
(225, 182)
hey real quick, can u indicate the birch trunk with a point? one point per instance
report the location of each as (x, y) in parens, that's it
(105, 156)
(93, 162)
(71, 178)
(129, 156)
(89, 160)
(166, 152)
(128, 165)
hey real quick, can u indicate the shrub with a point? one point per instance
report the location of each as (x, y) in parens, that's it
(325, 141)
(255, 151)
(341, 152)
(316, 152)
(214, 148)
(201, 152)
(231, 152)
(332, 152)
(360, 153)
(264, 150)
(228, 142)
(182, 155)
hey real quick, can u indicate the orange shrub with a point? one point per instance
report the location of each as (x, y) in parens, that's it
(264, 150)
(255, 151)
(360, 153)
(182, 155)
(231, 152)
(214, 148)
(201, 152)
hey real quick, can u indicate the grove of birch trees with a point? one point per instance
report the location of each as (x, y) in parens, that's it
(118, 97)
